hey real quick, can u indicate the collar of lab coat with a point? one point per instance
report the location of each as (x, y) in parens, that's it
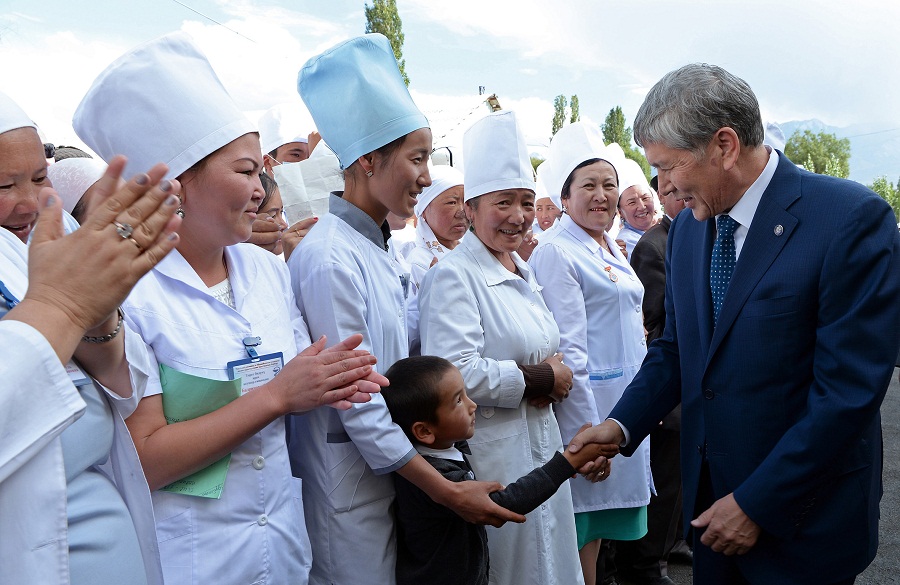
(359, 220)
(577, 232)
(241, 271)
(494, 272)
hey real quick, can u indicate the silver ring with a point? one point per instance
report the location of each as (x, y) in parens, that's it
(123, 229)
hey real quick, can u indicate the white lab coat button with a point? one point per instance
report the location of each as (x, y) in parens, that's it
(259, 462)
(643, 341)
(637, 309)
(263, 520)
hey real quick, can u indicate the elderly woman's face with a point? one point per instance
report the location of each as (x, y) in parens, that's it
(446, 216)
(637, 207)
(23, 172)
(593, 194)
(501, 218)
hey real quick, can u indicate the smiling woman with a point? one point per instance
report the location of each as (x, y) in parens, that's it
(22, 175)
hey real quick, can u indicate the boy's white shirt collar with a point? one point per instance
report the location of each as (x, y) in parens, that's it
(452, 453)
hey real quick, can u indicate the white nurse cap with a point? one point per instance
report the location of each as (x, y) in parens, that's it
(12, 116)
(282, 124)
(443, 177)
(357, 98)
(572, 145)
(496, 156)
(160, 102)
(631, 174)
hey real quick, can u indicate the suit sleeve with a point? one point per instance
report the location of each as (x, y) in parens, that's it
(649, 263)
(857, 335)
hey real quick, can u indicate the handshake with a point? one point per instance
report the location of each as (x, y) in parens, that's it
(593, 447)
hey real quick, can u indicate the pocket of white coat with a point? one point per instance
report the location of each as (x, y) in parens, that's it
(175, 537)
(350, 482)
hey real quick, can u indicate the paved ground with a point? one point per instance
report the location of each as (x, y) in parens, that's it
(885, 569)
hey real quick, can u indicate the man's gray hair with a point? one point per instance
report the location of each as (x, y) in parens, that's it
(689, 105)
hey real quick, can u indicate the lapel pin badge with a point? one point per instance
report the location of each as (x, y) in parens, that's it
(779, 230)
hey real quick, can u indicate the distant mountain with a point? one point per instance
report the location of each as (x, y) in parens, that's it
(874, 148)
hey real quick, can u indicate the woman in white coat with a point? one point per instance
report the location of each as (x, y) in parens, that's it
(441, 225)
(73, 500)
(219, 318)
(346, 280)
(481, 308)
(595, 299)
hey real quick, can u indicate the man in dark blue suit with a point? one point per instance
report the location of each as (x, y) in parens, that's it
(782, 325)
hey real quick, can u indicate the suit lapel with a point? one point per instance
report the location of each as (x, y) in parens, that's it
(703, 297)
(771, 229)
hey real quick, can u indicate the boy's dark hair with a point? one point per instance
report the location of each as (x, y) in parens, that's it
(413, 394)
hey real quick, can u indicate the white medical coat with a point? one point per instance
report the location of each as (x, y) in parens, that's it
(38, 401)
(255, 532)
(601, 332)
(345, 283)
(486, 320)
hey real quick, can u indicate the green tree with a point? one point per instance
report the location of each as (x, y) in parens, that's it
(828, 154)
(536, 162)
(889, 192)
(559, 114)
(382, 17)
(573, 106)
(615, 130)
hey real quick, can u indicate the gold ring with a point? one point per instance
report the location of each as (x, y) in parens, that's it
(123, 229)
(135, 242)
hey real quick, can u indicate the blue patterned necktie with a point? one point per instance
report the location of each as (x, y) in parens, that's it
(723, 260)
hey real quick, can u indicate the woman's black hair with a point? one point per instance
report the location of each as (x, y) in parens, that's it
(269, 186)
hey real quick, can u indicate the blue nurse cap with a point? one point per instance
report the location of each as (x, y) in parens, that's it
(357, 97)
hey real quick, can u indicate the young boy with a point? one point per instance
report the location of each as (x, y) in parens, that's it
(427, 399)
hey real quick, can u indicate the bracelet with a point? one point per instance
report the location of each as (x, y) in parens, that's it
(109, 337)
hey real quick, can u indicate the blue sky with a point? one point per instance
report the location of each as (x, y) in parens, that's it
(828, 59)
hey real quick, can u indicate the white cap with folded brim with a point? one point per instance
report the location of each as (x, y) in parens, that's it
(12, 117)
(631, 174)
(160, 102)
(496, 156)
(443, 177)
(357, 98)
(543, 171)
(282, 124)
(573, 145)
(72, 177)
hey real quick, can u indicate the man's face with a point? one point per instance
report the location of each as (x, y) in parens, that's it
(699, 182)
(292, 152)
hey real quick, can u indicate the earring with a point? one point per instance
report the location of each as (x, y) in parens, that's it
(369, 173)
(180, 212)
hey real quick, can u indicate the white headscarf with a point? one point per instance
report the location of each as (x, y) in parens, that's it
(72, 177)
(443, 177)
(12, 116)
